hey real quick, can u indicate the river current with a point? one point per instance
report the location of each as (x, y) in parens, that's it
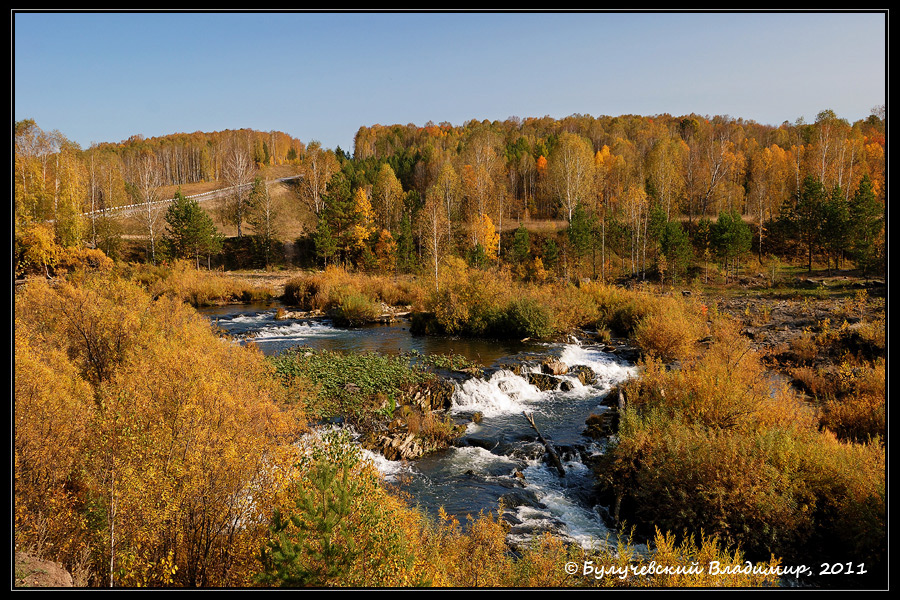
(499, 458)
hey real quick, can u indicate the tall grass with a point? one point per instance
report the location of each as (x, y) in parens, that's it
(351, 298)
(318, 290)
(713, 446)
(197, 287)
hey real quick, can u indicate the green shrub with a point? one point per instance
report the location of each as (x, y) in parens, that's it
(349, 308)
(526, 317)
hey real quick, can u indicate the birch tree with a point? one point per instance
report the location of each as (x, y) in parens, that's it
(263, 217)
(317, 167)
(148, 183)
(435, 227)
(237, 173)
(387, 194)
(571, 172)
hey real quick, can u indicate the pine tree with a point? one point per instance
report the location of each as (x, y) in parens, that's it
(313, 546)
(324, 240)
(807, 215)
(406, 248)
(835, 226)
(339, 215)
(580, 232)
(676, 247)
(731, 238)
(521, 246)
(190, 231)
(867, 218)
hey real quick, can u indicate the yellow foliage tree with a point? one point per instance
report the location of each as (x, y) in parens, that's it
(364, 226)
(36, 248)
(488, 237)
(386, 251)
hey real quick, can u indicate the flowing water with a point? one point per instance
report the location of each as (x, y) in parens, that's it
(498, 458)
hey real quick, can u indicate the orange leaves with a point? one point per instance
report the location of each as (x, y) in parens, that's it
(602, 156)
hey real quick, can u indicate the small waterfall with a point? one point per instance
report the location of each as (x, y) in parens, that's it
(293, 330)
(502, 394)
(536, 497)
(609, 369)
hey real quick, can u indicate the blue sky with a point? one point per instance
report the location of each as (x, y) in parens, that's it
(102, 77)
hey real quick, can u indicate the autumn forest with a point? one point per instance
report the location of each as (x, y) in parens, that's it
(150, 452)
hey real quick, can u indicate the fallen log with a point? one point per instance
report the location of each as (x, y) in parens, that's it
(550, 451)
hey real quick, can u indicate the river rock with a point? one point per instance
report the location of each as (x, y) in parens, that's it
(543, 381)
(520, 498)
(602, 425)
(512, 367)
(532, 450)
(584, 373)
(478, 442)
(402, 446)
(434, 395)
(553, 366)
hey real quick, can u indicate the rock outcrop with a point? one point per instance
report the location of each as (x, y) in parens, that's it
(31, 572)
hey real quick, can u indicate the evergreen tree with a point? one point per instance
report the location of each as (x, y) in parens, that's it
(190, 232)
(835, 226)
(580, 231)
(314, 546)
(676, 247)
(325, 243)
(867, 219)
(731, 238)
(657, 224)
(337, 219)
(808, 215)
(406, 248)
(521, 246)
(550, 255)
(702, 242)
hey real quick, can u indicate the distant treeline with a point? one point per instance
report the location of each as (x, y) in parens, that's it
(634, 194)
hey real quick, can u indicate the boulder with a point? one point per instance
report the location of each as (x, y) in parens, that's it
(543, 381)
(553, 366)
(401, 446)
(519, 498)
(434, 395)
(584, 373)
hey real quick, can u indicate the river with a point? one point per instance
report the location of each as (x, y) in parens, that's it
(498, 458)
